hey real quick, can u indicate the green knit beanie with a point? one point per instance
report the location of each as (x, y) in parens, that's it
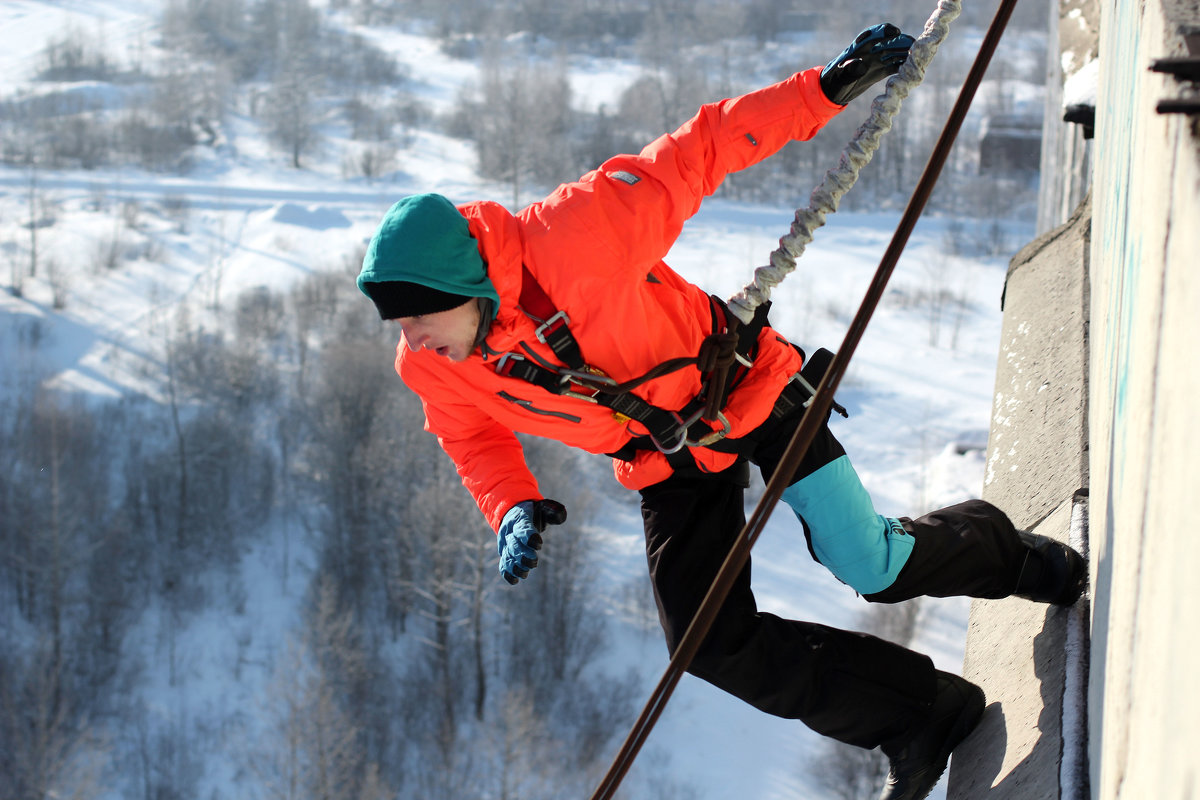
(423, 240)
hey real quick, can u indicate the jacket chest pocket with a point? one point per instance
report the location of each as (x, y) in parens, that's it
(530, 407)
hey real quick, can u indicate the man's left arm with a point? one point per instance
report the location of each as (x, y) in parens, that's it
(633, 207)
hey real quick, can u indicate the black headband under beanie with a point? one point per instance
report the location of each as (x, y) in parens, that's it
(396, 299)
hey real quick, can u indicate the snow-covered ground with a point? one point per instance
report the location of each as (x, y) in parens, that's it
(918, 391)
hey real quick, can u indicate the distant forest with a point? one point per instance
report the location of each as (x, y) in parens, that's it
(308, 79)
(286, 431)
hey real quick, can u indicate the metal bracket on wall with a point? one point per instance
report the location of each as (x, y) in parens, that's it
(1187, 69)
(1184, 68)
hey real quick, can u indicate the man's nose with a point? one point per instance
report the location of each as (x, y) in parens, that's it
(415, 340)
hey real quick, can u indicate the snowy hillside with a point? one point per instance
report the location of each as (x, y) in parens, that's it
(110, 271)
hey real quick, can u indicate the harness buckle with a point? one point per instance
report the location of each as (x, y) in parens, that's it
(503, 365)
(559, 318)
(808, 387)
(800, 385)
(588, 376)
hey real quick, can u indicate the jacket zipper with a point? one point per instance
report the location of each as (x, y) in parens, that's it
(529, 406)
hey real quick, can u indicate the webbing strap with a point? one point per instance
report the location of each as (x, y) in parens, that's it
(555, 329)
(669, 430)
(533, 298)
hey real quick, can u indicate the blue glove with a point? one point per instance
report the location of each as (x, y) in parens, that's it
(873, 55)
(520, 535)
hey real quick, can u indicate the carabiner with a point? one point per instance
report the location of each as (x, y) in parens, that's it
(682, 429)
(711, 438)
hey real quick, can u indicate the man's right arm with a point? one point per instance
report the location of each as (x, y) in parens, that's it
(488, 457)
(490, 461)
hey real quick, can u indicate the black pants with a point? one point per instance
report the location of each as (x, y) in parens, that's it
(853, 687)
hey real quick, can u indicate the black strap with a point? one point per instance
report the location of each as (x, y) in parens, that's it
(668, 429)
(664, 427)
(555, 329)
(517, 366)
(747, 346)
(796, 394)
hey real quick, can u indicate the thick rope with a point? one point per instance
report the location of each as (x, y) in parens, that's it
(858, 153)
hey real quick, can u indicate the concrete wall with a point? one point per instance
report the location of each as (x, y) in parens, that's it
(1037, 469)
(1116, 715)
(1144, 698)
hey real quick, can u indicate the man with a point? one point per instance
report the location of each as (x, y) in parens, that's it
(563, 321)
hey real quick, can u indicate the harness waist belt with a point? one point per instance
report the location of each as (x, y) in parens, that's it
(798, 393)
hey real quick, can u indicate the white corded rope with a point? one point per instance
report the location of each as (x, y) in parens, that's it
(824, 199)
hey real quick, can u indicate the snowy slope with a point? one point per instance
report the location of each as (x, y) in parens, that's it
(919, 410)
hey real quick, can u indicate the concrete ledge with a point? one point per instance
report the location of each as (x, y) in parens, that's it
(1037, 466)
(1030, 662)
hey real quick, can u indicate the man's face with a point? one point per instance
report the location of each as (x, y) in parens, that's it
(448, 333)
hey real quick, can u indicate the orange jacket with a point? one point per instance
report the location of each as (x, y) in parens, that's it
(596, 247)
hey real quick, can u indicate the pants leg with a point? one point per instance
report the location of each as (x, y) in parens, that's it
(853, 687)
(968, 549)
(864, 549)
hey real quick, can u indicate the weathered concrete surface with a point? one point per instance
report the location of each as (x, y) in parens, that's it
(1143, 426)
(1037, 462)
(1038, 445)
(1144, 702)
(1016, 653)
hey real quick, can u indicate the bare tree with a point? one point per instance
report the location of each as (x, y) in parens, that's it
(74, 57)
(520, 119)
(445, 531)
(56, 497)
(316, 744)
(41, 215)
(46, 747)
(291, 31)
(291, 113)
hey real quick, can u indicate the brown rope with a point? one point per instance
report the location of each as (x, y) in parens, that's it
(810, 423)
(717, 354)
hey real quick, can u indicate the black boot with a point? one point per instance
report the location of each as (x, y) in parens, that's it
(919, 758)
(1052, 572)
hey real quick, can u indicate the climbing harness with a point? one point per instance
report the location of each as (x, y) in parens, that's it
(669, 431)
(810, 423)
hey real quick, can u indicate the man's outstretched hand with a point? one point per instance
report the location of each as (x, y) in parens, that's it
(874, 54)
(520, 535)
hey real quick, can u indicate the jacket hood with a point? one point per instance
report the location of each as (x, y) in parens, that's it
(498, 233)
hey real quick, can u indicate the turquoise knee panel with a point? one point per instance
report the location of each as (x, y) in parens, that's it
(864, 550)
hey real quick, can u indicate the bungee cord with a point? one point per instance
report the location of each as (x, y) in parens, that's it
(857, 154)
